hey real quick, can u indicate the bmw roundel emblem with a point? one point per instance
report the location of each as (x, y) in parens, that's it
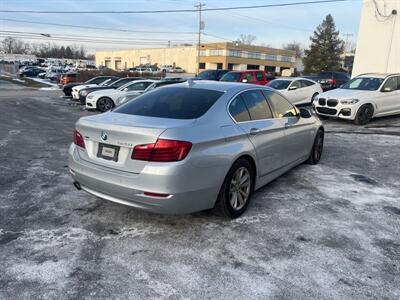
(103, 135)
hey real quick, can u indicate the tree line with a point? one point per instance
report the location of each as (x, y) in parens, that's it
(11, 45)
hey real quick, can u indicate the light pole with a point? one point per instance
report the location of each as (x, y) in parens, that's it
(201, 27)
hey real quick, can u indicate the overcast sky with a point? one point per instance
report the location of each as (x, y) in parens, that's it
(271, 26)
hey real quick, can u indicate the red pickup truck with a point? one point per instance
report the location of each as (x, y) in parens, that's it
(248, 76)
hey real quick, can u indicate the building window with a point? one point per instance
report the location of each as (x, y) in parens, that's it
(234, 53)
(271, 57)
(270, 69)
(203, 52)
(219, 66)
(253, 67)
(215, 52)
(256, 55)
(286, 58)
(230, 66)
(202, 65)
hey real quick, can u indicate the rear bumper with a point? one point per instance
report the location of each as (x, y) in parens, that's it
(185, 196)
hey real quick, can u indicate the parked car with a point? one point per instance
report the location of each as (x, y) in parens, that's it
(212, 74)
(67, 88)
(297, 90)
(114, 85)
(361, 99)
(130, 95)
(69, 77)
(54, 75)
(178, 70)
(193, 146)
(30, 72)
(76, 89)
(105, 100)
(330, 80)
(249, 76)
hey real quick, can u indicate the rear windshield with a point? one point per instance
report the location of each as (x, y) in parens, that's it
(279, 84)
(172, 103)
(231, 77)
(325, 75)
(208, 75)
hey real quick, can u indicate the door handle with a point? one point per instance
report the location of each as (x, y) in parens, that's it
(254, 131)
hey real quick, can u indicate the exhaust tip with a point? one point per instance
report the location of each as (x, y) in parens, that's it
(77, 185)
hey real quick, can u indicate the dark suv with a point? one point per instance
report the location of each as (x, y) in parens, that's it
(332, 80)
(212, 74)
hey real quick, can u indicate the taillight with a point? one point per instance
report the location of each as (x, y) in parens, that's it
(78, 139)
(162, 151)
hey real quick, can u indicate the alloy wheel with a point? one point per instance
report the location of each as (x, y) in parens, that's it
(318, 147)
(105, 105)
(239, 189)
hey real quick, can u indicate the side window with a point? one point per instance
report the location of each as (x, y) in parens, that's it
(296, 84)
(282, 107)
(306, 83)
(138, 86)
(238, 110)
(259, 76)
(249, 77)
(257, 105)
(391, 84)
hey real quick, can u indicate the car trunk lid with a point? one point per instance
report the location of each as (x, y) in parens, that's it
(110, 138)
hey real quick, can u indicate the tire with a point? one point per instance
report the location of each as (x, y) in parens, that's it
(313, 97)
(105, 104)
(228, 203)
(318, 146)
(364, 114)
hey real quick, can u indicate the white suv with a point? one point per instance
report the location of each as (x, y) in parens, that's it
(364, 97)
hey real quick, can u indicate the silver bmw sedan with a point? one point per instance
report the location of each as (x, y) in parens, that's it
(193, 146)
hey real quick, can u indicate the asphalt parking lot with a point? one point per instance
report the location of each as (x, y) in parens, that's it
(330, 231)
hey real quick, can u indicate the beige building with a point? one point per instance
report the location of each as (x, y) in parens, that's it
(212, 56)
(378, 43)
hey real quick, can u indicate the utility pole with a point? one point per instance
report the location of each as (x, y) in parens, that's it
(201, 27)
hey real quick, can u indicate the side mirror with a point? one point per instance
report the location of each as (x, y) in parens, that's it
(292, 88)
(305, 113)
(244, 80)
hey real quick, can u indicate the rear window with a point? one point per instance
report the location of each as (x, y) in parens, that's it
(279, 84)
(211, 75)
(231, 77)
(172, 103)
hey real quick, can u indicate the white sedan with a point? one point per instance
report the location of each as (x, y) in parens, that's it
(76, 89)
(104, 100)
(364, 97)
(297, 90)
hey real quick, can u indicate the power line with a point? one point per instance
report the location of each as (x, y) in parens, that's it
(172, 10)
(96, 28)
(101, 37)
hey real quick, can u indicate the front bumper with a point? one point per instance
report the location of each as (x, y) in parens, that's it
(341, 111)
(91, 103)
(128, 188)
(75, 95)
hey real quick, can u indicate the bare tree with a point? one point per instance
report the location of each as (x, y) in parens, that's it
(11, 45)
(247, 39)
(294, 46)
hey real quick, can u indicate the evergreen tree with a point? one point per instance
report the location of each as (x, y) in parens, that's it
(325, 49)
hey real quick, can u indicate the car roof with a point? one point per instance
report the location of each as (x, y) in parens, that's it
(244, 71)
(221, 86)
(378, 75)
